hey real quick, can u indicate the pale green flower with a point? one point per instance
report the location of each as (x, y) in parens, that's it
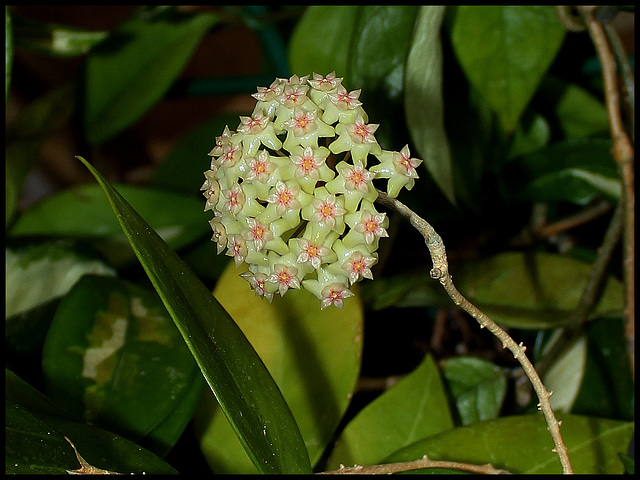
(399, 168)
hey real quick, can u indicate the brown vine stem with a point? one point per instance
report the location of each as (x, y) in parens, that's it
(440, 272)
(424, 462)
(589, 293)
(623, 155)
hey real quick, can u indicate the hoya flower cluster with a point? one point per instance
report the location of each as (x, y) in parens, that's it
(292, 191)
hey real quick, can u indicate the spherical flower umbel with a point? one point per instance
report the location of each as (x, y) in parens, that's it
(292, 189)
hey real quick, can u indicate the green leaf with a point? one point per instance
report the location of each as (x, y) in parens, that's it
(532, 291)
(39, 273)
(578, 113)
(113, 356)
(84, 212)
(522, 444)
(607, 369)
(477, 386)
(414, 408)
(376, 65)
(8, 51)
(581, 114)
(312, 354)
(54, 39)
(403, 290)
(379, 49)
(321, 39)
(243, 386)
(131, 70)
(182, 169)
(520, 290)
(504, 52)
(26, 134)
(628, 462)
(564, 375)
(35, 443)
(575, 171)
(423, 98)
(531, 134)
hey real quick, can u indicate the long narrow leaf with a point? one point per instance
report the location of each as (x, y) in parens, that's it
(237, 376)
(423, 100)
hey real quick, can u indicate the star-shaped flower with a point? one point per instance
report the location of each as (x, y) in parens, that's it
(358, 266)
(334, 294)
(236, 248)
(327, 211)
(284, 197)
(358, 138)
(258, 282)
(219, 232)
(312, 253)
(211, 189)
(284, 277)
(371, 226)
(260, 234)
(399, 168)
(221, 142)
(260, 167)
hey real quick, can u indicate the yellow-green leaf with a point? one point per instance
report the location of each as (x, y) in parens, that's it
(312, 354)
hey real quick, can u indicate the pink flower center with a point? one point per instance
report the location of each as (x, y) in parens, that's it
(308, 164)
(371, 225)
(327, 210)
(284, 278)
(284, 198)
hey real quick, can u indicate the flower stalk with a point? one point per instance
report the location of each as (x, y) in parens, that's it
(440, 272)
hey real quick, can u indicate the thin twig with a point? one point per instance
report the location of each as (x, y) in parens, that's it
(626, 74)
(539, 229)
(424, 462)
(623, 155)
(579, 218)
(440, 272)
(589, 293)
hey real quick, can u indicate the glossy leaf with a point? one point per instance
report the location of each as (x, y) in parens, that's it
(522, 444)
(565, 375)
(54, 39)
(135, 66)
(113, 356)
(39, 273)
(83, 212)
(235, 373)
(25, 135)
(520, 290)
(477, 386)
(607, 370)
(577, 113)
(312, 354)
(376, 64)
(629, 463)
(538, 290)
(423, 98)
(403, 290)
(414, 408)
(575, 171)
(581, 114)
(529, 136)
(35, 443)
(504, 52)
(182, 169)
(379, 49)
(320, 41)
